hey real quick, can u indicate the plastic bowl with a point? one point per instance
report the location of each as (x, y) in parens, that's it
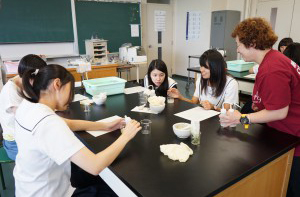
(99, 100)
(182, 130)
(157, 108)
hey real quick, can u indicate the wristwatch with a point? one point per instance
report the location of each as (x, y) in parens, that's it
(245, 120)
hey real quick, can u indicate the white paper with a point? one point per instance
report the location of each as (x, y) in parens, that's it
(144, 110)
(134, 30)
(193, 25)
(134, 90)
(197, 114)
(77, 84)
(79, 97)
(251, 76)
(101, 132)
(160, 20)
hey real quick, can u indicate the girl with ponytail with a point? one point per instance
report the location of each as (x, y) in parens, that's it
(46, 143)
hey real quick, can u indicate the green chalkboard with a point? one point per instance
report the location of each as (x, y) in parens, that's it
(26, 21)
(111, 21)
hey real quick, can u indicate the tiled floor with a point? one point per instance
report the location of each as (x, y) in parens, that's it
(8, 168)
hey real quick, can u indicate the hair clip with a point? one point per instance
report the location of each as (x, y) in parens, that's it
(35, 72)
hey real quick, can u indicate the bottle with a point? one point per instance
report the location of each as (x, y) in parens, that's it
(223, 113)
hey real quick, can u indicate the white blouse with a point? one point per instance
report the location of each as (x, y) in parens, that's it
(229, 95)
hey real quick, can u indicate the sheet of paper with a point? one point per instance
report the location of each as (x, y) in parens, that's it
(134, 30)
(99, 132)
(251, 76)
(79, 97)
(160, 20)
(197, 114)
(144, 110)
(134, 90)
(78, 84)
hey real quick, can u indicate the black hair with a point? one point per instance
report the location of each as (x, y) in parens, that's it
(161, 66)
(285, 42)
(41, 80)
(218, 71)
(30, 61)
(293, 52)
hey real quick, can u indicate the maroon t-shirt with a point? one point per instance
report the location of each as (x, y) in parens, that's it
(277, 85)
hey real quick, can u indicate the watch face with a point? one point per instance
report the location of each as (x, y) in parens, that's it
(244, 120)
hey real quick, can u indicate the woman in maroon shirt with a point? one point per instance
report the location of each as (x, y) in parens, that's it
(276, 95)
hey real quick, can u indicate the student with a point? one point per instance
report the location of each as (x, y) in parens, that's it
(276, 95)
(10, 99)
(284, 43)
(215, 87)
(47, 144)
(157, 76)
(293, 52)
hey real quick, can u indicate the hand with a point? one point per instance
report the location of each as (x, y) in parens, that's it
(114, 125)
(230, 118)
(207, 105)
(174, 93)
(131, 129)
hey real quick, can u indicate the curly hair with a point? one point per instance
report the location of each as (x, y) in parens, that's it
(255, 32)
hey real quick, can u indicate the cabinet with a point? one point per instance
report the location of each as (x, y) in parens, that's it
(222, 24)
(108, 70)
(97, 50)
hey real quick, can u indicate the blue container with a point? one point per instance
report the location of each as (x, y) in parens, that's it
(239, 65)
(110, 85)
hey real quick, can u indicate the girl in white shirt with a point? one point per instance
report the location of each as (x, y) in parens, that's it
(10, 99)
(215, 87)
(46, 143)
(157, 76)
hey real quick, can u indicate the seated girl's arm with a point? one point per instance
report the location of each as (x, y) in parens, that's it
(80, 125)
(173, 92)
(95, 163)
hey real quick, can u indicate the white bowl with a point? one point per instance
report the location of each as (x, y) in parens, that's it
(182, 129)
(99, 100)
(157, 99)
(157, 108)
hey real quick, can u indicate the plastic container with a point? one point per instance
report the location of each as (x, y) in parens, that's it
(223, 113)
(110, 85)
(239, 65)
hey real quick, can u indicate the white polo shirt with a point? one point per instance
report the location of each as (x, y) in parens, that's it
(171, 82)
(45, 145)
(9, 98)
(229, 95)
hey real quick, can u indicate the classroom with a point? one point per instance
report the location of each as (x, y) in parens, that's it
(149, 98)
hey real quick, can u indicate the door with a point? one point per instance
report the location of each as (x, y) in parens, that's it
(279, 13)
(160, 47)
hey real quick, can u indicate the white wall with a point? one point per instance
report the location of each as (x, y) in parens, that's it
(295, 29)
(182, 48)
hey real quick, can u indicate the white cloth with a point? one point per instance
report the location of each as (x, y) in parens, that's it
(171, 82)
(9, 98)
(229, 95)
(45, 144)
(255, 68)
